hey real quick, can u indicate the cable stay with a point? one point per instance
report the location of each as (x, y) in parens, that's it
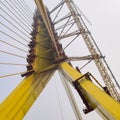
(3, 63)
(15, 26)
(23, 10)
(27, 7)
(16, 5)
(20, 16)
(13, 46)
(9, 53)
(38, 39)
(13, 38)
(13, 31)
(28, 12)
(15, 15)
(14, 74)
(23, 27)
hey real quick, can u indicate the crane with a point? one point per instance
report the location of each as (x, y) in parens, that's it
(46, 55)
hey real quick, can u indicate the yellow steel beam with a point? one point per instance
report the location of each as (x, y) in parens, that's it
(104, 103)
(17, 104)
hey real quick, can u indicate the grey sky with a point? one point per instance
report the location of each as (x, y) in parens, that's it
(105, 18)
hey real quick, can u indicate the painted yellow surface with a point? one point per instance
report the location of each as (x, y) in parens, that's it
(105, 104)
(17, 104)
(43, 50)
(74, 75)
(44, 14)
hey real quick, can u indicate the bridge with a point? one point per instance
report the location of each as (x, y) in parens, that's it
(42, 43)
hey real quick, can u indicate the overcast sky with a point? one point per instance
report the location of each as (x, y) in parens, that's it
(105, 18)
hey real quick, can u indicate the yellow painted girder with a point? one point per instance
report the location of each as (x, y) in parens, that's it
(17, 104)
(104, 103)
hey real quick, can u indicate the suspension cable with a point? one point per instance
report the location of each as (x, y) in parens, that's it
(24, 8)
(14, 18)
(23, 27)
(8, 75)
(16, 55)
(4, 63)
(18, 13)
(13, 46)
(14, 26)
(13, 31)
(13, 38)
(21, 11)
(27, 6)
(15, 15)
(26, 13)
